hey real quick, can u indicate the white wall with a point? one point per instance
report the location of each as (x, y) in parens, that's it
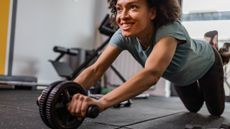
(41, 24)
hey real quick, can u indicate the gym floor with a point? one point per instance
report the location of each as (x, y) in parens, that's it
(18, 110)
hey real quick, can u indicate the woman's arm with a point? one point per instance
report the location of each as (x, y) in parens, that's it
(79, 103)
(90, 75)
(156, 64)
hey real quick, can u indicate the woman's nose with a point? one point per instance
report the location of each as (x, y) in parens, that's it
(124, 14)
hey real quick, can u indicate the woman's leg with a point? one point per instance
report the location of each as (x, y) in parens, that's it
(191, 96)
(212, 86)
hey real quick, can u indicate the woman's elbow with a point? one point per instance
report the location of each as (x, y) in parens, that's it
(153, 75)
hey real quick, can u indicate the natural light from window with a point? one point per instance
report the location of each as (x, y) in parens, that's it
(205, 15)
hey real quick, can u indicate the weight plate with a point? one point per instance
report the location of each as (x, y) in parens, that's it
(42, 102)
(56, 106)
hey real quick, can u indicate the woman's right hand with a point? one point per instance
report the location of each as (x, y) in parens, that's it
(79, 105)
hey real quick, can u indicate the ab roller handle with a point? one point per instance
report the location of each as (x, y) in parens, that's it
(93, 111)
(53, 105)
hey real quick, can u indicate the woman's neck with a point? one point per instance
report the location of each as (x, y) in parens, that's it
(145, 37)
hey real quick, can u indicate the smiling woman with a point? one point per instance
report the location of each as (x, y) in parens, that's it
(151, 31)
(4, 24)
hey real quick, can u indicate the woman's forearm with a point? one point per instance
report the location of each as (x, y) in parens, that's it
(88, 77)
(134, 86)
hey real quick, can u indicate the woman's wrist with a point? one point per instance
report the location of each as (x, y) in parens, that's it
(103, 104)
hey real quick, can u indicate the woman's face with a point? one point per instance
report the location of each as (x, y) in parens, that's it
(134, 16)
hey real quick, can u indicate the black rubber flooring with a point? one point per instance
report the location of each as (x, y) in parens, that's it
(18, 110)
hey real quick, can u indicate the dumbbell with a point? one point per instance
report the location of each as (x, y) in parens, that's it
(53, 105)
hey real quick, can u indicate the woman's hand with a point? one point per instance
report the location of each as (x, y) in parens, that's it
(79, 104)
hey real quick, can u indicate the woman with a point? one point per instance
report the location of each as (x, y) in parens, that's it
(151, 31)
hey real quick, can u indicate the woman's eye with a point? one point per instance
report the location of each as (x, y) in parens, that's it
(118, 9)
(133, 7)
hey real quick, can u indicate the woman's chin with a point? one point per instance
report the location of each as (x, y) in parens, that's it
(127, 34)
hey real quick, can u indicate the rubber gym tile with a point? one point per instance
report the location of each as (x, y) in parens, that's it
(18, 110)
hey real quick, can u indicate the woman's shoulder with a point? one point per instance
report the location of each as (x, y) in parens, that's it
(174, 29)
(173, 26)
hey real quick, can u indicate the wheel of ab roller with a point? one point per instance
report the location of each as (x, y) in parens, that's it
(56, 106)
(42, 102)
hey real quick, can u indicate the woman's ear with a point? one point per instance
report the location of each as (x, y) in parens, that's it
(153, 13)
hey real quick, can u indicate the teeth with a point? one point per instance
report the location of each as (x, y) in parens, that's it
(126, 26)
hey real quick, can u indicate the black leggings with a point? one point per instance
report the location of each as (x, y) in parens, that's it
(208, 89)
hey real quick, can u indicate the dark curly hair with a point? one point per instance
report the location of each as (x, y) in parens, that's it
(167, 11)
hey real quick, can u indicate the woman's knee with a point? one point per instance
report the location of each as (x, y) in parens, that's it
(191, 96)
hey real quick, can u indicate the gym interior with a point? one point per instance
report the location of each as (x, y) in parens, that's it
(47, 42)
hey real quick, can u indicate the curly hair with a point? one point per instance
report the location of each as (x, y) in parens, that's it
(167, 11)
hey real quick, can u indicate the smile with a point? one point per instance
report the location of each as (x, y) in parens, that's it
(126, 26)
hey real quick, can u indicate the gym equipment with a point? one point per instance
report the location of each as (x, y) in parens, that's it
(20, 82)
(63, 68)
(53, 105)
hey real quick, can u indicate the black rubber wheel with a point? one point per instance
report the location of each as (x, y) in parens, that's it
(56, 106)
(42, 102)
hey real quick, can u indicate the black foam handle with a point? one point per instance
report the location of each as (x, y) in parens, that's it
(93, 111)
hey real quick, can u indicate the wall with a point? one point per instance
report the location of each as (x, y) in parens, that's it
(41, 24)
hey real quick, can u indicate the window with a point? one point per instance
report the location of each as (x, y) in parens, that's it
(202, 16)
